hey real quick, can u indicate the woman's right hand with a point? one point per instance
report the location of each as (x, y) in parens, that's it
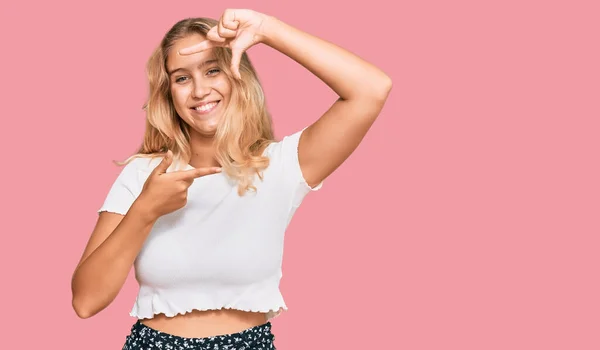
(165, 192)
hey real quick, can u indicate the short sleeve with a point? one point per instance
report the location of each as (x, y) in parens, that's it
(291, 164)
(123, 191)
(285, 155)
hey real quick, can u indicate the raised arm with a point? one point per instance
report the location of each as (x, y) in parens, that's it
(362, 89)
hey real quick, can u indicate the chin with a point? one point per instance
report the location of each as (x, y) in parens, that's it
(204, 130)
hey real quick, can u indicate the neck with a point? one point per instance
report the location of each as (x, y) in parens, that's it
(203, 151)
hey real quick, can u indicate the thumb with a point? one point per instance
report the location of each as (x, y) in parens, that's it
(162, 167)
(236, 58)
(213, 36)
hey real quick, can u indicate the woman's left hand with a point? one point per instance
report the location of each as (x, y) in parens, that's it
(238, 30)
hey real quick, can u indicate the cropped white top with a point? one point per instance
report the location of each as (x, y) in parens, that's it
(221, 250)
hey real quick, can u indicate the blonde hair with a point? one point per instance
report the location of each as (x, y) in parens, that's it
(243, 131)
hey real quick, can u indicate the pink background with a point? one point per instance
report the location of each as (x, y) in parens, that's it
(467, 219)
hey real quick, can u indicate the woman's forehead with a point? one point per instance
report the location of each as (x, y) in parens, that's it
(176, 61)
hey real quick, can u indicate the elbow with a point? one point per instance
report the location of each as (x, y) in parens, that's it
(384, 87)
(82, 309)
(378, 90)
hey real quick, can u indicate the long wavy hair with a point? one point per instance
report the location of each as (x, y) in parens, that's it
(243, 131)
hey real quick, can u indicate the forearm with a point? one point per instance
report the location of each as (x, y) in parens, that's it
(344, 72)
(100, 277)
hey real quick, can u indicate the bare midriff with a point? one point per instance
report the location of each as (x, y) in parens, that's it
(201, 324)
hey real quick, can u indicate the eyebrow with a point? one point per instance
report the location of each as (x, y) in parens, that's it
(207, 62)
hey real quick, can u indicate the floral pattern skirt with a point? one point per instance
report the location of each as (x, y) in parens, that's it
(255, 338)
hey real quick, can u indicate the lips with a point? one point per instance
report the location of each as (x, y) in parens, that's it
(204, 108)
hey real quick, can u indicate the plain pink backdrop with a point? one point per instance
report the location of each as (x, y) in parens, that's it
(467, 219)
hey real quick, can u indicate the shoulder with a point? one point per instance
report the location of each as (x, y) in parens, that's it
(140, 168)
(132, 167)
(283, 160)
(286, 147)
(133, 171)
(146, 164)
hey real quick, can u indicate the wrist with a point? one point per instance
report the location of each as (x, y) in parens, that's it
(268, 29)
(143, 210)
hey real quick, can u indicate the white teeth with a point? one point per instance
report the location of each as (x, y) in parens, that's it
(206, 107)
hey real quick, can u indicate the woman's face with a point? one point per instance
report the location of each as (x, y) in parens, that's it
(200, 90)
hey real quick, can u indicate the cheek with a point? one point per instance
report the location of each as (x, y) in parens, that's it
(179, 97)
(223, 87)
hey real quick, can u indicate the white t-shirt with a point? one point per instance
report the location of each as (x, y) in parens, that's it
(221, 250)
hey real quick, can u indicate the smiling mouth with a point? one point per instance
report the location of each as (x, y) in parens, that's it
(206, 108)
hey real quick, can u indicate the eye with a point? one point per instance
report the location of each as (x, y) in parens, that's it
(213, 71)
(179, 80)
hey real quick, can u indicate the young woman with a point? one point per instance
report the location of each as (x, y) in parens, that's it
(201, 210)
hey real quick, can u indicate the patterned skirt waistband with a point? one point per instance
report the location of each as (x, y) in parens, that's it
(144, 337)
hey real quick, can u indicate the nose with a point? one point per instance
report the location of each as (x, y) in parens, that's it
(201, 89)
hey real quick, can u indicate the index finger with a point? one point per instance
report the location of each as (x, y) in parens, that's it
(198, 172)
(202, 46)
